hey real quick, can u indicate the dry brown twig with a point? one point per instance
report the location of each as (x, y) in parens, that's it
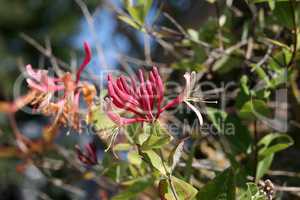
(43, 50)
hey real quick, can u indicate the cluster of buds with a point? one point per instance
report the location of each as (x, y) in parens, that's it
(267, 188)
(145, 101)
(66, 108)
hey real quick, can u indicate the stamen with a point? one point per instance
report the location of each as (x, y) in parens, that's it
(113, 138)
(195, 99)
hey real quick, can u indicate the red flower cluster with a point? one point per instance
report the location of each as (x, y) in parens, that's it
(145, 101)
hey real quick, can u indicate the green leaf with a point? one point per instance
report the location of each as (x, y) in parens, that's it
(253, 109)
(183, 189)
(134, 158)
(269, 145)
(261, 74)
(244, 93)
(175, 154)
(280, 77)
(129, 21)
(278, 43)
(101, 120)
(157, 137)
(273, 143)
(133, 190)
(156, 161)
(217, 117)
(220, 188)
(284, 14)
(263, 166)
(133, 133)
(272, 4)
(194, 35)
(139, 10)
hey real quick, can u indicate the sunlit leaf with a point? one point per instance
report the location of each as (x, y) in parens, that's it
(273, 143)
(269, 145)
(183, 189)
(176, 154)
(129, 21)
(134, 158)
(156, 161)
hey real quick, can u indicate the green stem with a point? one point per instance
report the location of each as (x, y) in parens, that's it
(169, 177)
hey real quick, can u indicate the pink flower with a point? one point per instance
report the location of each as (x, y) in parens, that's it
(40, 81)
(66, 107)
(145, 101)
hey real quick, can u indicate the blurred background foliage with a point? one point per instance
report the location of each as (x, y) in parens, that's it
(233, 40)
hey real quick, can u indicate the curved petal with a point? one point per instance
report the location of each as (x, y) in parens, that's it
(200, 118)
(86, 61)
(36, 86)
(35, 75)
(120, 121)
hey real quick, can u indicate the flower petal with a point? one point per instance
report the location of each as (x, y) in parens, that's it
(200, 118)
(87, 59)
(35, 75)
(120, 121)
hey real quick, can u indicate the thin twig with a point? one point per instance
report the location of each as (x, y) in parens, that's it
(176, 24)
(283, 173)
(287, 189)
(43, 50)
(52, 60)
(167, 46)
(181, 29)
(265, 58)
(90, 20)
(169, 177)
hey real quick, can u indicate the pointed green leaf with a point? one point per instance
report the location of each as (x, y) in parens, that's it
(176, 154)
(157, 137)
(269, 145)
(251, 109)
(156, 161)
(183, 189)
